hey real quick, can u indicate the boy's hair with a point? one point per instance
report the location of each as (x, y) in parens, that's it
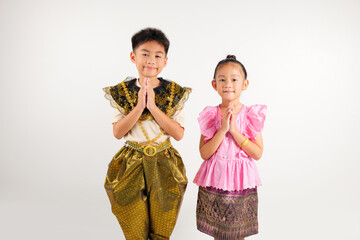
(150, 34)
(230, 58)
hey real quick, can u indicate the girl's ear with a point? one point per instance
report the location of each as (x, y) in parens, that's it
(132, 57)
(245, 84)
(213, 83)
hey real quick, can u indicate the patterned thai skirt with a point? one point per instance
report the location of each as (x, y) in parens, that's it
(227, 215)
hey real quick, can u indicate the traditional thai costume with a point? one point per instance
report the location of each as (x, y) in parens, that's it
(146, 178)
(227, 199)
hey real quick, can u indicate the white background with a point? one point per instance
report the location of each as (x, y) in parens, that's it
(303, 61)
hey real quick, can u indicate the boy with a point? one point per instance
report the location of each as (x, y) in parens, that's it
(146, 179)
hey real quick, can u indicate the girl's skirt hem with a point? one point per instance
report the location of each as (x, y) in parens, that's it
(227, 215)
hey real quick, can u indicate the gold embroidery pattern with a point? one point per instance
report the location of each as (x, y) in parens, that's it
(146, 192)
(117, 97)
(149, 149)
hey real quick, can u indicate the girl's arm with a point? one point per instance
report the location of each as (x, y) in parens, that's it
(123, 126)
(253, 149)
(169, 125)
(209, 148)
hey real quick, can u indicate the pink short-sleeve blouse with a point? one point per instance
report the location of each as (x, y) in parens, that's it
(230, 168)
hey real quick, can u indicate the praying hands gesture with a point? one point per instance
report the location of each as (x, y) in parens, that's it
(228, 123)
(146, 96)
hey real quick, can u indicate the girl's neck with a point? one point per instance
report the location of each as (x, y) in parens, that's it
(226, 104)
(154, 81)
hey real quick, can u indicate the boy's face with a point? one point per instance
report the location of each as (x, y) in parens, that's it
(150, 59)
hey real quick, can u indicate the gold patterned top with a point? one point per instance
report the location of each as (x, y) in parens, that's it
(163, 97)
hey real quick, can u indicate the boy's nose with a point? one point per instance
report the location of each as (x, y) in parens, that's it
(151, 60)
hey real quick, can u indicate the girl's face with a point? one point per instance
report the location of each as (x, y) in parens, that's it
(230, 81)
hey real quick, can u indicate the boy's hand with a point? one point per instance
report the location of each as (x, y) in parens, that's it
(142, 97)
(150, 103)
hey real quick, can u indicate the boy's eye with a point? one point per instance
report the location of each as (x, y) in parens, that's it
(145, 54)
(222, 80)
(158, 56)
(234, 80)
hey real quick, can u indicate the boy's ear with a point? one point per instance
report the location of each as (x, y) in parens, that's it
(213, 83)
(245, 84)
(165, 61)
(132, 57)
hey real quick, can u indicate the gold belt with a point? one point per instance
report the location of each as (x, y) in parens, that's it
(149, 150)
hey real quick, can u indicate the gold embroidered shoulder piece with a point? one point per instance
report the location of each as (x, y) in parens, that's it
(117, 97)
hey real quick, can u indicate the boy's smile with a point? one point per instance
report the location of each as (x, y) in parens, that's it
(150, 59)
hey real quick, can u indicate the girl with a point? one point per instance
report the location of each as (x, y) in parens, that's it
(230, 143)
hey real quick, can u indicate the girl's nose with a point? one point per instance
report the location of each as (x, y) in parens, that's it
(228, 84)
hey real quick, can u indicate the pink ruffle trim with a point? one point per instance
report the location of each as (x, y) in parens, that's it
(207, 122)
(237, 171)
(255, 116)
(228, 175)
(210, 117)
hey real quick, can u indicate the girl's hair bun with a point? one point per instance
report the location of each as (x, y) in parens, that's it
(231, 57)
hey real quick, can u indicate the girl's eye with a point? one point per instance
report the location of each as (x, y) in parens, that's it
(234, 80)
(145, 54)
(221, 80)
(158, 56)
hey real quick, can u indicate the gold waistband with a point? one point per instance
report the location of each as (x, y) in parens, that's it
(149, 150)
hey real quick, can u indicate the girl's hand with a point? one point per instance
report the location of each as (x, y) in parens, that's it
(232, 127)
(150, 103)
(142, 97)
(225, 126)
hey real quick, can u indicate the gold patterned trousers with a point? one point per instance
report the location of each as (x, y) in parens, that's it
(146, 192)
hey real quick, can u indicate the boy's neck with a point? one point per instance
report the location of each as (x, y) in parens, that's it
(154, 81)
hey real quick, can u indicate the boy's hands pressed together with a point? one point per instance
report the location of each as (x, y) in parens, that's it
(142, 97)
(150, 99)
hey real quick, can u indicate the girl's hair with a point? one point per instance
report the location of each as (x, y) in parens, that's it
(230, 58)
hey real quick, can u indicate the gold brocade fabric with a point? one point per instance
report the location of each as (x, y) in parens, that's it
(146, 192)
(117, 97)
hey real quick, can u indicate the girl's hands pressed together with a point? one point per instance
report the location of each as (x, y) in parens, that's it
(225, 126)
(232, 128)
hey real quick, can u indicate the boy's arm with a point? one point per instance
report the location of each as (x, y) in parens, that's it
(169, 125)
(123, 126)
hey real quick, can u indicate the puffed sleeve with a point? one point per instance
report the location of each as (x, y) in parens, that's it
(207, 122)
(117, 115)
(179, 117)
(255, 117)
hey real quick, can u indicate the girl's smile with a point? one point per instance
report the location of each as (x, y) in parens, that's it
(230, 82)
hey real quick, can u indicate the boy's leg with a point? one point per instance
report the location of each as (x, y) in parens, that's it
(125, 186)
(166, 193)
